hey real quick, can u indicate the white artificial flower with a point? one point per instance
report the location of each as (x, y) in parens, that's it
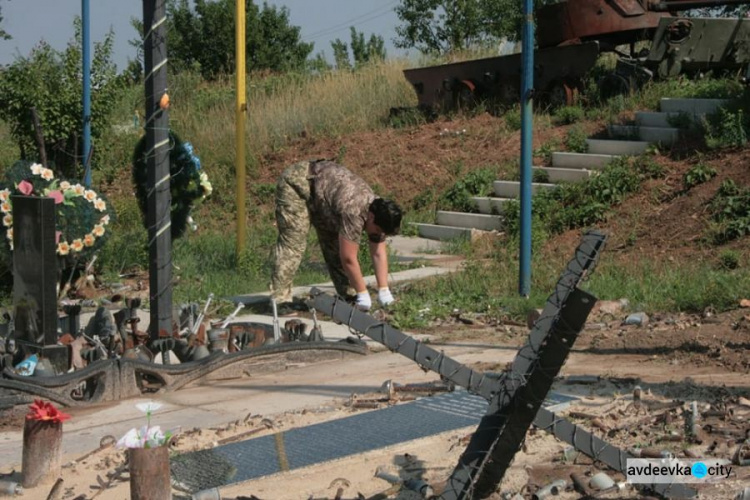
(154, 437)
(36, 169)
(132, 439)
(149, 407)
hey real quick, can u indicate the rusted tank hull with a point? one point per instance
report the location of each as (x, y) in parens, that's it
(611, 22)
(556, 71)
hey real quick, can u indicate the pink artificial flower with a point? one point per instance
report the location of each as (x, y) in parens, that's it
(25, 187)
(57, 236)
(57, 196)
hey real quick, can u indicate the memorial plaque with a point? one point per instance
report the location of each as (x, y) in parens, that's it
(34, 270)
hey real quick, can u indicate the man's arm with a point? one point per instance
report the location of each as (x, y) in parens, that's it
(379, 255)
(348, 251)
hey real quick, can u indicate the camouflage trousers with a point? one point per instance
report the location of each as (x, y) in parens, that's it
(293, 223)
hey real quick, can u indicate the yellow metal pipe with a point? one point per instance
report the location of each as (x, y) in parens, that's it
(240, 117)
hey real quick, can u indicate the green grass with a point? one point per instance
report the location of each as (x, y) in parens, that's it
(490, 287)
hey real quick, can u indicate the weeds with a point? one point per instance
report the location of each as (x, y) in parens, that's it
(575, 140)
(730, 208)
(567, 115)
(698, 174)
(512, 118)
(725, 129)
(729, 260)
(475, 183)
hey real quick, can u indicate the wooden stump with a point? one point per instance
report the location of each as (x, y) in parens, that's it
(42, 451)
(150, 477)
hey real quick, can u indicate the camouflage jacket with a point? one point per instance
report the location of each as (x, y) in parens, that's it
(339, 200)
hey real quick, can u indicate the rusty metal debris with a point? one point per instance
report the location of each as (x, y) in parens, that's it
(115, 379)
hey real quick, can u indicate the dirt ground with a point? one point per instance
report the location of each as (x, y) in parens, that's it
(607, 363)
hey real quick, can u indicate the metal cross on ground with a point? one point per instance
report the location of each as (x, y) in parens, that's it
(516, 395)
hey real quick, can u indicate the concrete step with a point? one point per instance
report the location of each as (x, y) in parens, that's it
(462, 219)
(487, 205)
(691, 106)
(442, 233)
(512, 189)
(654, 118)
(586, 161)
(649, 134)
(555, 175)
(613, 147)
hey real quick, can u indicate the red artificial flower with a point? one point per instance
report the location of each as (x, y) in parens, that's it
(43, 411)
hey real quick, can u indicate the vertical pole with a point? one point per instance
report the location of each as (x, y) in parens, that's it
(157, 161)
(527, 90)
(240, 116)
(86, 53)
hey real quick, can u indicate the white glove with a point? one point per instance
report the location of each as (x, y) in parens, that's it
(385, 297)
(363, 303)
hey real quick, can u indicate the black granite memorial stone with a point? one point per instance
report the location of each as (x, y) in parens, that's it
(34, 270)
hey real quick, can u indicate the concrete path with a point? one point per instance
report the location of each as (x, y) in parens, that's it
(403, 249)
(299, 387)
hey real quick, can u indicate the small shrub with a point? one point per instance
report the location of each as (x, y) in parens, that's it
(648, 168)
(567, 115)
(475, 183)
(730, 208)
(729, 260)
(513, 119)
(539, 175)
(575, 140)
(725, 129)
(406, 117)
(546, 149)
(698, 174)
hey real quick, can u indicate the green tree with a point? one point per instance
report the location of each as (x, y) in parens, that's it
(50, 81)
(362, 51)
(447, 25)
(201, 37)
(341, 54)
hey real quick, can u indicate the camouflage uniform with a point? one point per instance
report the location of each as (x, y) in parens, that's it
(336, 202)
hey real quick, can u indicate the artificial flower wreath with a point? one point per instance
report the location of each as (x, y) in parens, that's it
(81, 216)
(188, 183)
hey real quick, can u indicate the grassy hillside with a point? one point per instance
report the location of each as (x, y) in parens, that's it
(425, 166)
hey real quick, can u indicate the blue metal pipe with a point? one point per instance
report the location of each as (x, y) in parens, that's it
(527, 117)
(86, 54)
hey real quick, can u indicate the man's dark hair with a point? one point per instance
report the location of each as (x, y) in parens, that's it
(387, 215)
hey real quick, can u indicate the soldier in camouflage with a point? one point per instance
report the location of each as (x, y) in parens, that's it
(340, 205)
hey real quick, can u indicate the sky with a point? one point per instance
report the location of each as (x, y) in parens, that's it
(321, 21)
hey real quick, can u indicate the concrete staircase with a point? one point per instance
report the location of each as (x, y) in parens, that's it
(625, 140)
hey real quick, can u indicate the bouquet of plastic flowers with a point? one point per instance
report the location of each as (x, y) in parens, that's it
(147, 436)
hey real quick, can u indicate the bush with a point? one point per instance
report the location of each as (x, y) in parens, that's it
(730, 208)
(698, 174)
(575, 140)
(567, 115)
(725, 129)
(729, 260)
(476, 183)
(513, 119)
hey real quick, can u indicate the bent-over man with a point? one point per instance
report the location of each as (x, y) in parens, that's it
(340, 205)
